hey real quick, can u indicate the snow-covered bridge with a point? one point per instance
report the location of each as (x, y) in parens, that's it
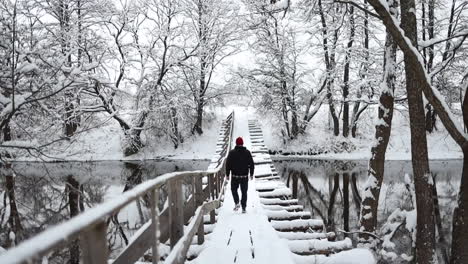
(198, 225)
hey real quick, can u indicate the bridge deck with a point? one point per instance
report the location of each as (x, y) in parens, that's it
(245, 238)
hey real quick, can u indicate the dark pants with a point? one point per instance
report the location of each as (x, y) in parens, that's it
(244, 184)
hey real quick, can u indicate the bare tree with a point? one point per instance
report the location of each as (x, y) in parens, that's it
(217, 29)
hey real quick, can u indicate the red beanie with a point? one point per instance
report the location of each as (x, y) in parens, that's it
(239, 141)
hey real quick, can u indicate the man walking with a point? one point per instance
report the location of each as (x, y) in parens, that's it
(241, 164)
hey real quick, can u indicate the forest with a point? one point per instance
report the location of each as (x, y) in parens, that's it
(150, 71)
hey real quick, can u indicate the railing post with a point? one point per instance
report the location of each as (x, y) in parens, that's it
(198, 202)
(94, 245)
(211, 191)
(210, 186)
(176, 211)
(212, 216)
(155, 224)
(294, 185)
(216, 185)
(219, 181)
(213, 197)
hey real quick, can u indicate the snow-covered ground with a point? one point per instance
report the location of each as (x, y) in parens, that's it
(105, 143)
(319, 138)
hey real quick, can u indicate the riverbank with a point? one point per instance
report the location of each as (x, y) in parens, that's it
(318, 142)
(105, 142)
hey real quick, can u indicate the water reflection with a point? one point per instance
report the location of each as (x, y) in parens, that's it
(331, 190)
(34, 196)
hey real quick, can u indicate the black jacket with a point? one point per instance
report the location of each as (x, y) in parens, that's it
(240, 162)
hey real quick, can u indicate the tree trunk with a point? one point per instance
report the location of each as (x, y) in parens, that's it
(425, 234)
(72, 119)
(346, 74)
(346, 202)
(354, 115)
(133, 142)
(459, 254)
(73, 187)
(14, 220)
(368, 215)
(355, 190)
(331, 204)
(329, 62)
(176, 135)
(294, 124)
(363, 75)
(202, 57)
(431, 116)
(440, 239)
(331, 107)
(198, 123)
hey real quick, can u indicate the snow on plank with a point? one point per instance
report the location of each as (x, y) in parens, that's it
(298, 225)
(277, 193)
(289, 208)
(353, 256)
(262, 169)
(269, 185)
(319, 246)
(286, 215)
(306, 235)
(277, 201)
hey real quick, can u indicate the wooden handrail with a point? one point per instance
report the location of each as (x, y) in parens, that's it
(54, 237)
(91, 226)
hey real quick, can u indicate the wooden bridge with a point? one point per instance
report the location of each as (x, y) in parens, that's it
(197, 224)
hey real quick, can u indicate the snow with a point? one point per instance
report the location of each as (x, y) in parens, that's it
(302, 235)
(104, 142)
(320, 143)
(285, 214)
(354, 256)
(19, 100)
(279, 207)
(27, 67)
(277, 192)
(298, 223)
(277, 201)
(282, 4)
(301, 246)
(411, 220)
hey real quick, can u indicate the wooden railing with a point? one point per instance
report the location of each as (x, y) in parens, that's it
(91, 226)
